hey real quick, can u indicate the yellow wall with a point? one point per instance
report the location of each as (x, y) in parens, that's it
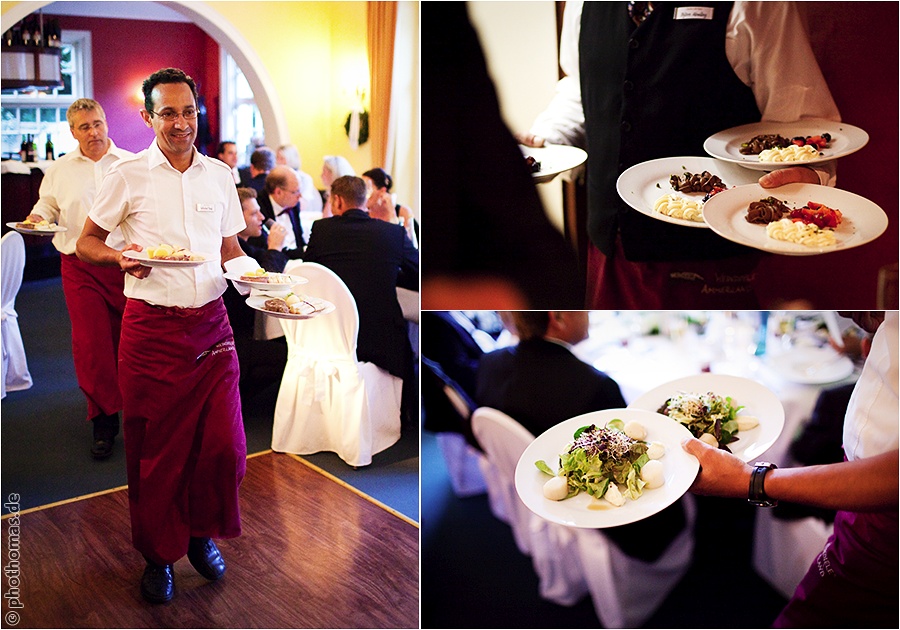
(308, 49)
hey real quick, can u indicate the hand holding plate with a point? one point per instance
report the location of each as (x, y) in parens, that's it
(721, 473)
(132, 266)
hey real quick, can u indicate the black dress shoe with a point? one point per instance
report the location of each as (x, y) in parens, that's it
(158, 583)
(101, 449)
(205, 557)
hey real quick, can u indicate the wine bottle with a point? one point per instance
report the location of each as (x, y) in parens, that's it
(22, 151)
(48, 148)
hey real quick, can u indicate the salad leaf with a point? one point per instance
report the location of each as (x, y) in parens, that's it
(705, 413)
(544, 468)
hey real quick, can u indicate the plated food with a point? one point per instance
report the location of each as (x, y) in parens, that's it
(675, 189)
(175, 258)
(824, 219)
(262, 279)
(737, 413)
(291, 306)
(673, 473)
(550, 160)
(787, 143)
(165, 251)
(39, 228)
(612, 463)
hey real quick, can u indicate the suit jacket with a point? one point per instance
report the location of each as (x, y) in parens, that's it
(373, 258)
(257, 183)
(447, 343)
(265, 206)
(540, 383)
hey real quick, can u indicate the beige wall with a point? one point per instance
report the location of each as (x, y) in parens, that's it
(519, 42)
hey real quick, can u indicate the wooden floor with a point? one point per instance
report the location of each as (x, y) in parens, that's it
(313, 554)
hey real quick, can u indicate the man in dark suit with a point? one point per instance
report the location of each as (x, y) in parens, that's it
(373, 258)
(280, 202)
(262, 161)
(539, 382)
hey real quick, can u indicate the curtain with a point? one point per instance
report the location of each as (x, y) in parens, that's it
(382, 21)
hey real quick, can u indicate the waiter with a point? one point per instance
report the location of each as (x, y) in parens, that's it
(184, 438)
(94, 295)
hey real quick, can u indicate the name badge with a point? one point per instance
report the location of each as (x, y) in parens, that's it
(694, 13)
(205, 207)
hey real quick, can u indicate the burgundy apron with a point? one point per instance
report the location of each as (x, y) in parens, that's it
(853, 583)
(95, 302)
(613, 282)
(184, 436)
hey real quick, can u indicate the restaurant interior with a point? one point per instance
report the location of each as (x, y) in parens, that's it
(334, 541)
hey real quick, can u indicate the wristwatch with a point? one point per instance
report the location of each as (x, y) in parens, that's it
(757, 495)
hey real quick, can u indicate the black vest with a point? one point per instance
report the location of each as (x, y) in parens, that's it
(655, 90)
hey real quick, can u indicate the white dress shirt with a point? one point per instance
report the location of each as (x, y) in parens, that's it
(870, 425)
(766, 46)
(154, 203)
(68, 190)
(284, 219)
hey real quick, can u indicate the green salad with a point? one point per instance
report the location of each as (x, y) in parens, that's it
(706, 413)
(599, 457)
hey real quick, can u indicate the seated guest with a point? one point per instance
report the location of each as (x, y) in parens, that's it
(540, 383)
(280, 202)
(447, 340)
(333, 166)
(381, 203)
(310, 197)
(373, 258)
(262, 160)
(261, 362)
(227, 152)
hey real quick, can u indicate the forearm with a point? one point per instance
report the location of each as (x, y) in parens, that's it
(91, 246)
(862, 485)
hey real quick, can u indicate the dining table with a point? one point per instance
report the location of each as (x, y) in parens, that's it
(788, 353)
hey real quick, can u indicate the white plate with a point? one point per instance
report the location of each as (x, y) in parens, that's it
(323, 307)
(583, 510)
(726, 145)
(642, 184)
(811, 366)
(758, 401)
(48, 232)
(862, 221)
(273, 286)
(554, 159)
(156, 262)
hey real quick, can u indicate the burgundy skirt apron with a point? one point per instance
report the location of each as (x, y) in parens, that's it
(184, 435)
(95, 302)
(613, 282)
(853, 583)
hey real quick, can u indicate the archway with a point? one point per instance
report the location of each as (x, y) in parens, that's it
(228, 37)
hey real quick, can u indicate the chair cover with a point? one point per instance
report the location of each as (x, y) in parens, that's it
(783, 550)
(15, 365)
(329, 401)
(553, 547)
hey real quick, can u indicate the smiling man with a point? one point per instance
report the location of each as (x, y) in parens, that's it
(178, 371)
(94, 295)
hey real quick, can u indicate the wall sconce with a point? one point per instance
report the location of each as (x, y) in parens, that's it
(357, 123)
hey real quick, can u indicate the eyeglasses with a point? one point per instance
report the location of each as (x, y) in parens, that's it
(170, 116)
(89, 126)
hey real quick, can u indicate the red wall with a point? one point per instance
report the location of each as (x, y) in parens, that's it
(125, 52)
(856, 46)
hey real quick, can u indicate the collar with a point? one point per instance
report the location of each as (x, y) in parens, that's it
(113, 151)
(355, 213)
(156, 157)
(559, 342)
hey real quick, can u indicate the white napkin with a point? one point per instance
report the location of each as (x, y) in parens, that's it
(238, 266)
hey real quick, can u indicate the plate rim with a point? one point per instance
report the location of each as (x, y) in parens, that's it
(543, 176)
(230, 275)
(158, 262)
(671, 385)
(771, 361)
(595, 520)
(14, 226)
(328, 309)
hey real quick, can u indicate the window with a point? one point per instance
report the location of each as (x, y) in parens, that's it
(240, 117)
(42, 113)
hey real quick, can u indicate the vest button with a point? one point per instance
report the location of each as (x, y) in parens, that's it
(626, 126)
(633, 43)
(628, 85)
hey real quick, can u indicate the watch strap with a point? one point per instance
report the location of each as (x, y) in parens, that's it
(757, 493)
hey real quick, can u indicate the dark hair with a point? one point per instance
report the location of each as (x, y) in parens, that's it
(380, 178)
(246, 193)
(263, 159)
(166, 75)
(351, 189)
(222, 145)
(531, 324)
